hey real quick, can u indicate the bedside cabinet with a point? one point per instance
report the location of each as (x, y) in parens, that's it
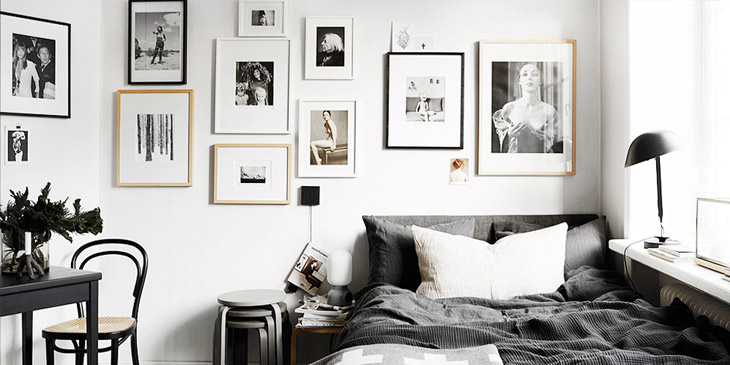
(297, 330)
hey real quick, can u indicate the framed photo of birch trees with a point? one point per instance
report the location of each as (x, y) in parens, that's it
(154, 137)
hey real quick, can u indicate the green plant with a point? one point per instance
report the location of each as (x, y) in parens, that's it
(42, 218)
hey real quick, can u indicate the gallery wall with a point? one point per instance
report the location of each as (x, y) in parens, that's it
(199, 250)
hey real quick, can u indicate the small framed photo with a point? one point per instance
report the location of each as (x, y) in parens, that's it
(157, 42)
(425, 100)
(327, 132)
(252, 86)
(18, 142)
(526, 108)
(35, 66)
(263, 18)
(154, 137)
(252, 173)
(458, 171)
(329, 48)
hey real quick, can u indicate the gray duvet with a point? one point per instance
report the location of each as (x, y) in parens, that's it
(591, 319)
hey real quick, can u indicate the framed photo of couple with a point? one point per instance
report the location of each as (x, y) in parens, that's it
(327, 132)
(35, 66)
(526, 107)
(157, 42)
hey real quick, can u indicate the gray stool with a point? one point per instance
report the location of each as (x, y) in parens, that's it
(246, 305)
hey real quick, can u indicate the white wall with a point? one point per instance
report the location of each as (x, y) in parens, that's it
(199, 250)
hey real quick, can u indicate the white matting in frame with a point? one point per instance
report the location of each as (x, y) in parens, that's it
(510, 74)
(154, 137)
(263, 18)
(328, 49)
(252, 173)
(316, 135)
(252, 86)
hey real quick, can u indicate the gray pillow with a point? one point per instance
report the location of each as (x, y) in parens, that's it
(585, 244)
(393, 258)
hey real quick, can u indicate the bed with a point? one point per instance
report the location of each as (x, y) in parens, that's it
(592, 317)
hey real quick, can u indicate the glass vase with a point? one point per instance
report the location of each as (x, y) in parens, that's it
(11, 250)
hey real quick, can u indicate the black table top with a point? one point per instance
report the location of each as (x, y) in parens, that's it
(56, 276)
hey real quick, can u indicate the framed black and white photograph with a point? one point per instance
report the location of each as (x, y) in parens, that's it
(252, 86)
(154, 137)
(262, 18)
(328, 50)
(425, 100)
(252, 173)
(157, 42)
(18, 145)
(526, 108)
(35, 66)
(327, 138)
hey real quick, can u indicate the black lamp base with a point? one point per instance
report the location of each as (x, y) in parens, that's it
(658, 241)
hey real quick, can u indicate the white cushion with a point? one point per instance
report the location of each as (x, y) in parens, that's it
(520, 264)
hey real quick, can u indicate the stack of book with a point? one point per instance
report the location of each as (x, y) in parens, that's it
(323, 316)
(674, 253)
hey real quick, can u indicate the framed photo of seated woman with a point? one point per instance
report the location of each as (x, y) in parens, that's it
(35, 66)
(526, 107)
(327, 146)
(425, 106)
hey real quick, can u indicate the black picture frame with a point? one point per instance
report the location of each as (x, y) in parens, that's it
(60, 105)
(134, 50)
(398, 117)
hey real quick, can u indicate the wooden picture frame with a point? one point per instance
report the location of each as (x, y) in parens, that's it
(155, 137)
(252, 174)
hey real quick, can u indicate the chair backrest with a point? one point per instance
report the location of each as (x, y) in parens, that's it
(141, 269)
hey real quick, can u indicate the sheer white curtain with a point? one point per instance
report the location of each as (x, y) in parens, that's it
(679, 78)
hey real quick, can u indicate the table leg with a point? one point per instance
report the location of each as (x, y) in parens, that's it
(224, 313)
(277, 322)
(92, 324)
(27, 338)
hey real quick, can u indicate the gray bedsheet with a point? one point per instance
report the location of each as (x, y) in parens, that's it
(592, 319)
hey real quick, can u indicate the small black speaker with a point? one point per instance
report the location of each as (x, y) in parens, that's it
(310, 195)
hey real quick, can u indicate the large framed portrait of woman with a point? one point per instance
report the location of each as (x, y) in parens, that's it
(35, 66)
(526, 107)
(327, 146)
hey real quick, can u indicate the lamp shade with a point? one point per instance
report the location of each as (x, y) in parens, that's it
(339, 272)
(652, 144)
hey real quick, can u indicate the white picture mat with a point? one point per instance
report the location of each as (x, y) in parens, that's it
(305, 126)
(251, 120)
(396, 27)
(245, 29)
(133, 172)
(157, 7)
(311, 71)
(228, 187)
(416, 134)
(18, 104)
(533, 163)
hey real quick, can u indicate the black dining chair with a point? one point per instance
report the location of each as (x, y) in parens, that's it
(115, 329)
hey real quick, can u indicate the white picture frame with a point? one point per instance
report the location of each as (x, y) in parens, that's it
(549, 147)
(252, 174)
(313, 127)
(155, 137)
(262, 18)
(328, 48)
(252, 86)
(18, 144)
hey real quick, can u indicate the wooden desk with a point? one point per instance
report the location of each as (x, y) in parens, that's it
(60, 286)
(330, 330)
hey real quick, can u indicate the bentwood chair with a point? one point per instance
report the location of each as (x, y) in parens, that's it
(115, 329)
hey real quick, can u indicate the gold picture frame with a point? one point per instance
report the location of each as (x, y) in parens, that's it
(163, 133)
(252, 174)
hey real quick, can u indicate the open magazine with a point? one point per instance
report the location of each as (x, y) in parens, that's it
(310, 270)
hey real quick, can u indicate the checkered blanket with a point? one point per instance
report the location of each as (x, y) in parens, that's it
(411, 355)
(591, 319)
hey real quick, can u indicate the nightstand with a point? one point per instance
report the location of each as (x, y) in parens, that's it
(325, 330)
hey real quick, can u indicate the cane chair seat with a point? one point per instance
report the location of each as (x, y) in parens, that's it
(109, 327)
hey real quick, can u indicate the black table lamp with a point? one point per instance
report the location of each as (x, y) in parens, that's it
(645, 147)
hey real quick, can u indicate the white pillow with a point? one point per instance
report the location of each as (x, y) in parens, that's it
(520, 264)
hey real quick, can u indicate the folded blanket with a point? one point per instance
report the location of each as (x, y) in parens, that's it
(401, 354)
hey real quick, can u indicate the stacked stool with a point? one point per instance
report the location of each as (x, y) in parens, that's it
(263, 310)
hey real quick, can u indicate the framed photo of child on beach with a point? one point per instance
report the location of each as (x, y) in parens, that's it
(526, 108)
(425, 106)
(157, 42)
(327, 132)
(35, 66)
